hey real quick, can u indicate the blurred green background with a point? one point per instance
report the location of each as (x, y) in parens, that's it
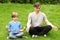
(23, 7)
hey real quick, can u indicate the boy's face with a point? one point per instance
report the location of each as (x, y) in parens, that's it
(15, 18)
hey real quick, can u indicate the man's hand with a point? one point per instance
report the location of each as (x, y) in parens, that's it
(27, 29)
(55, 28)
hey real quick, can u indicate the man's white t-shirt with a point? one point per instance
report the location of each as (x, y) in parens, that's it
(36, 19)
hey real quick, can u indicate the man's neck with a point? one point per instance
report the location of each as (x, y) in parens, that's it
(36, 12)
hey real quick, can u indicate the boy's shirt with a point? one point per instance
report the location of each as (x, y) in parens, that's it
(14, 27)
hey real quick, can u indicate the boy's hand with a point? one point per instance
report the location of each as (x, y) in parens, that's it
(55, 28)
(21, 30)
(7, 28)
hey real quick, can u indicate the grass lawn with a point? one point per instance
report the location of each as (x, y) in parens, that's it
(52, 12)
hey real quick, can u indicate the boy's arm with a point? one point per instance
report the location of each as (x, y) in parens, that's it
(7, 28)
(20, 26)
(23, 29)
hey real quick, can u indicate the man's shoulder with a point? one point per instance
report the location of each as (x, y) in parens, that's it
(34, 13)
(42, 13)
(31, 13)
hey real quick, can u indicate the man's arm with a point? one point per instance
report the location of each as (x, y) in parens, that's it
(28, 23)
(48, 23)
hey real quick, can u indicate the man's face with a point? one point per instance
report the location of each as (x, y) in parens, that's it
(37, 9)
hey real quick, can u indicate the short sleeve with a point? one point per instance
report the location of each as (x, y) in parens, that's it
(44, 16)
(20, 25)
(9, 25)
(29, 16)
(29, 20)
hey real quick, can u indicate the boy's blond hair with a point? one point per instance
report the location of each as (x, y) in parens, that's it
(14, 14)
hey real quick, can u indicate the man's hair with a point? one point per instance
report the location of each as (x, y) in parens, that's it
(14, 14)
(37, 4)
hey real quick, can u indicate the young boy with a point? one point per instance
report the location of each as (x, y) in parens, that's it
(14, 27)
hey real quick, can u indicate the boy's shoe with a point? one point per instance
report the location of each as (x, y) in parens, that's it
(24, 36)
(11, 38)
(45, 35)
(7, 37)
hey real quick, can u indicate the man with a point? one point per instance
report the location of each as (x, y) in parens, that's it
(34, 24)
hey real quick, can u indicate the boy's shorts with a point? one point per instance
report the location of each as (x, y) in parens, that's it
(15, 35)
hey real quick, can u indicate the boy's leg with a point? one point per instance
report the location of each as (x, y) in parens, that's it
(11, 35)
(45, 30)
(20, 34)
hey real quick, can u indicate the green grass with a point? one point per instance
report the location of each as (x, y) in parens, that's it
(52, 12)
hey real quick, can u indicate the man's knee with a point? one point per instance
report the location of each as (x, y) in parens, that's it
(31, 29)
(49, 27)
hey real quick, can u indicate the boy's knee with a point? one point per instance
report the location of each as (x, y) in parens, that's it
(12, 36)
(20, 34)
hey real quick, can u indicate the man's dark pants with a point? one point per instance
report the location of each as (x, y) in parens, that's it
(39, 30)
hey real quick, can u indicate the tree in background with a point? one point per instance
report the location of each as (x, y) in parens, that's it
(31, 1)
